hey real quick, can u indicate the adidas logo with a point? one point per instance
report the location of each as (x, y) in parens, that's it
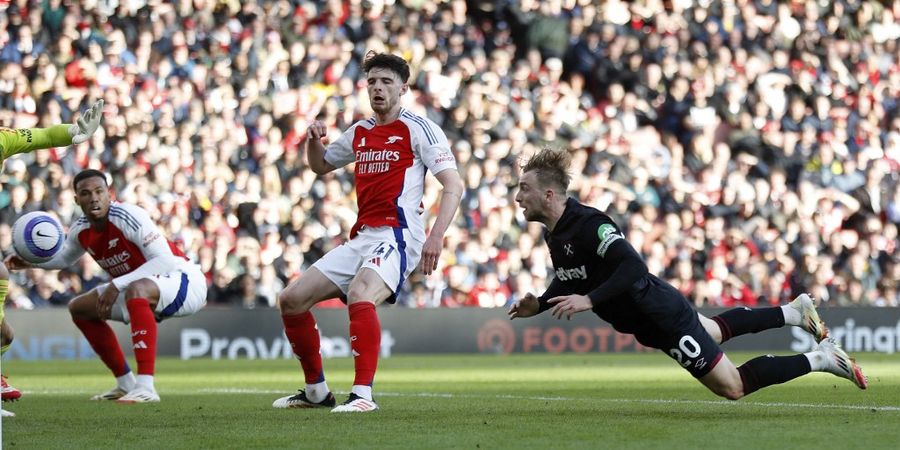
(140, 344)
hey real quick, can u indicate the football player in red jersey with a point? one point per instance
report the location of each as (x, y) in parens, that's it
(392, 152)
(151, 280)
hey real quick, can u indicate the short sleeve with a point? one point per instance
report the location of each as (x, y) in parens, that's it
(436, 153)
(340, 152)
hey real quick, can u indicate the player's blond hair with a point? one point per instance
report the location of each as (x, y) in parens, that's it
(551, 167)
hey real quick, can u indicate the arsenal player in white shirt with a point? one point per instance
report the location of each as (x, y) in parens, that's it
(393, 151)
(151, 280)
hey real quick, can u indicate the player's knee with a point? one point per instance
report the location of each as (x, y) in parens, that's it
(140, 289)
(75, 308)
(291, 303)
(283, 300)
(359, 292)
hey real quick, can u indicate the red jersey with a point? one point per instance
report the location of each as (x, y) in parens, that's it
(391, 161)
(129, 248)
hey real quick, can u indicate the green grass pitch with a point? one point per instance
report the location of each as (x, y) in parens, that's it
(459, 401)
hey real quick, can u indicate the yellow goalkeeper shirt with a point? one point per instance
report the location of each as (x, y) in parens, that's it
(25, 140)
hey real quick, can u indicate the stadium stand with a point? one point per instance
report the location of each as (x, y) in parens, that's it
(750, 149)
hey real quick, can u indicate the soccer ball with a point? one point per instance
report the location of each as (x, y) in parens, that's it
(37, 237)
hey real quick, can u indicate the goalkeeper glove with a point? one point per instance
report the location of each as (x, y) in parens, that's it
(87, 124)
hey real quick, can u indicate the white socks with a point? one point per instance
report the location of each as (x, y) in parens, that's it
(146, 381)
(791, 315)
(126, 382)
(817, 360)
(317, 392)
(362, 391)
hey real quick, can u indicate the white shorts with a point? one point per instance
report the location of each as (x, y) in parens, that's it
(390, 252)
(181, 293)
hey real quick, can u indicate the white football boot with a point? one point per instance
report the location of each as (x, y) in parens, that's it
(112, 394)
(809, 318)
(302, 401)
(839, 363)
(356, 403)
(139, 394)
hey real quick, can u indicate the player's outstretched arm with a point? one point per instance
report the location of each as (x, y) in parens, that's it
(451, 195)
(87, 124)
(526, 306)
(24, 140)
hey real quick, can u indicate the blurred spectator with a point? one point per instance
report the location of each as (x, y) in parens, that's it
(246, 296)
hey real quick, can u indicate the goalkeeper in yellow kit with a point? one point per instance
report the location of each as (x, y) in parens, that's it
(25, 140)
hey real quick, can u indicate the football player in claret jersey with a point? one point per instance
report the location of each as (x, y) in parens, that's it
(151, 280)
(392, 151)
(598, 270)
(26, 140)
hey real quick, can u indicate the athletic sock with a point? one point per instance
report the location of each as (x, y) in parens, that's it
(143, 334)
(146, 381)
(103, 340)
(365, 341)
(126, 382)
(362, 391)
(738, 321)
(791, 315)
(317, 392)
(303, 335)
(817, 361)
(768, 370)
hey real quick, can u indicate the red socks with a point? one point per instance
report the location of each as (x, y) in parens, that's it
(143, 334)
(365, 340)
(303, 335)
(103, 340)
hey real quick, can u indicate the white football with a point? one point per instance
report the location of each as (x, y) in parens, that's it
(37, 237)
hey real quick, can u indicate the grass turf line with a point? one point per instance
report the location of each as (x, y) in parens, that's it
(454, 401)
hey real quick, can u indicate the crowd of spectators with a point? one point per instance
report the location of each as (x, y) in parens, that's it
(750, 149)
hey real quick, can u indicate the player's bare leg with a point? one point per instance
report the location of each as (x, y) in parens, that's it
(103, 340)
(295, 302)
(366, 291)
(724, 380)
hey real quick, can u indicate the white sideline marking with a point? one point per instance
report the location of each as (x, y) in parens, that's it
(508, 397)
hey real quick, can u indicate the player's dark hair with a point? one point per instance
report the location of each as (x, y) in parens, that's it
(387, 61)
(551, 166)
(88, 173)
